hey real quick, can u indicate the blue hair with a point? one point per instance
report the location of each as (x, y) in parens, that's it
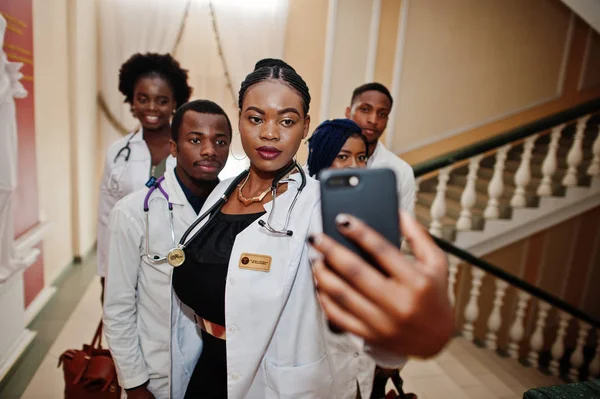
(327, 141)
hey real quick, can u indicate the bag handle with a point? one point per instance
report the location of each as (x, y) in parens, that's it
(97, 337)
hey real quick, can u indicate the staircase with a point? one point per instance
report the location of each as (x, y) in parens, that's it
(468, 186)
(464, 371)
(482, 198)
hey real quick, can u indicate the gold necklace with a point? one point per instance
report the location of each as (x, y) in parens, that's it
(248, 201)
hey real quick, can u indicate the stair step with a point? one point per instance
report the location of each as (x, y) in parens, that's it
(423, 214)
(481, 185)
(453, 209)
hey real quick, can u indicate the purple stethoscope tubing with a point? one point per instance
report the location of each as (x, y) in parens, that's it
(147, 200)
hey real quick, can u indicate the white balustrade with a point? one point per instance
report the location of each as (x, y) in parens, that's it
(523, 175)
(438, 207)
(453, 264)
(517, 330)
(595, 364)
(550, 163)
(594, 169)
(472, 308)
(575, 154)
(496, 185)
(495, 320)
(537, 339)
(558, 348)
(469, 195)
(577, 358)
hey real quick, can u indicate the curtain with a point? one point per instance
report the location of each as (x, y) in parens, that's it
(248, 30)
(128, 27)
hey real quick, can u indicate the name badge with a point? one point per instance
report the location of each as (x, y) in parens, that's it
(261, 263)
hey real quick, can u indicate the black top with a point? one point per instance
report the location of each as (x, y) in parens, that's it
(200, 283)
(195, 202)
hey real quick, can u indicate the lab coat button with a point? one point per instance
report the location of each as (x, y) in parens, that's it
(234, 376)
(231, 281)
(355, 354)
(233, 329)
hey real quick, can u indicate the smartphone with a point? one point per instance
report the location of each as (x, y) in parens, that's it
(368, 194)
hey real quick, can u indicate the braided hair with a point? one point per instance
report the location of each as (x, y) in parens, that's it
(163, 66)
(327, 141)
(275, 69)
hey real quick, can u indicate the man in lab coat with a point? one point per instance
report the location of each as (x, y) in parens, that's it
(139, 306)
(370, 108)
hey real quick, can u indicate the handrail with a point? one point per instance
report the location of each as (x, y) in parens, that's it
(519, 283)
(508, 137)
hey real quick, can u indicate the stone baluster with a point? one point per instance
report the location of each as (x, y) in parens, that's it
(594, 169)
(595, 364)
(577, 358)
(550, 163)
(523, 175)
(469, 195)
(472, 308)
(575, 154)
(453, 264)
(517, 330)
(438, 207)
(537, 339)
(495, 320)
(496, 186)
(558, 348)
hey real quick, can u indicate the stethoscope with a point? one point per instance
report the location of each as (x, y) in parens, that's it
(126, 149)
(176, 256)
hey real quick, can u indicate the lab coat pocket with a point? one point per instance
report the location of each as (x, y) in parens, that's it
(115, 185)
(310, 381)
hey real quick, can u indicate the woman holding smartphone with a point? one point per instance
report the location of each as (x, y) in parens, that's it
(247, 271)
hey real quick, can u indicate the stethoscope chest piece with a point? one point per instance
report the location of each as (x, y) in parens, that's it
(176, 257)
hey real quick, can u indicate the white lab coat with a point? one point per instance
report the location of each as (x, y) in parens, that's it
(119, 179)
(278, 342)
(405, 177)
(10, 88)
(138, 301)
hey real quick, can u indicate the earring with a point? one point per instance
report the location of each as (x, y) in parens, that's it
(233, 156)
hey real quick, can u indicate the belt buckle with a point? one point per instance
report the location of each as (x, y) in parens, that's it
(213, 329)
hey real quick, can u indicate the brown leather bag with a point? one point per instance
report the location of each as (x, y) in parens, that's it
(90, 373)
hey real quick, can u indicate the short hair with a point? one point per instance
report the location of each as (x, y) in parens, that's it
(327, 141)
(374, 86)
(276, 69)
(201, 107)
(163, 66)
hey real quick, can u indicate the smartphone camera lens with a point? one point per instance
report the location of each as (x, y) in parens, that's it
(354, 181)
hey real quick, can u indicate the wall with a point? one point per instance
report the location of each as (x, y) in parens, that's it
(305, 50)
(83, 64)
(53, 131)
(460, 71)
(472, 70)
(66, 119)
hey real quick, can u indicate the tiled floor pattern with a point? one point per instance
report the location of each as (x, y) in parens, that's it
(462, 371)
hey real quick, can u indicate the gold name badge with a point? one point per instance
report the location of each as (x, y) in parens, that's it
(261, 263)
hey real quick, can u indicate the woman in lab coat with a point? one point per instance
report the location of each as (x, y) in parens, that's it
(251, 288)
(138, 303)
(155, 86)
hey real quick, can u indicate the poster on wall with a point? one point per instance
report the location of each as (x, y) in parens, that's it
(18, 176)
